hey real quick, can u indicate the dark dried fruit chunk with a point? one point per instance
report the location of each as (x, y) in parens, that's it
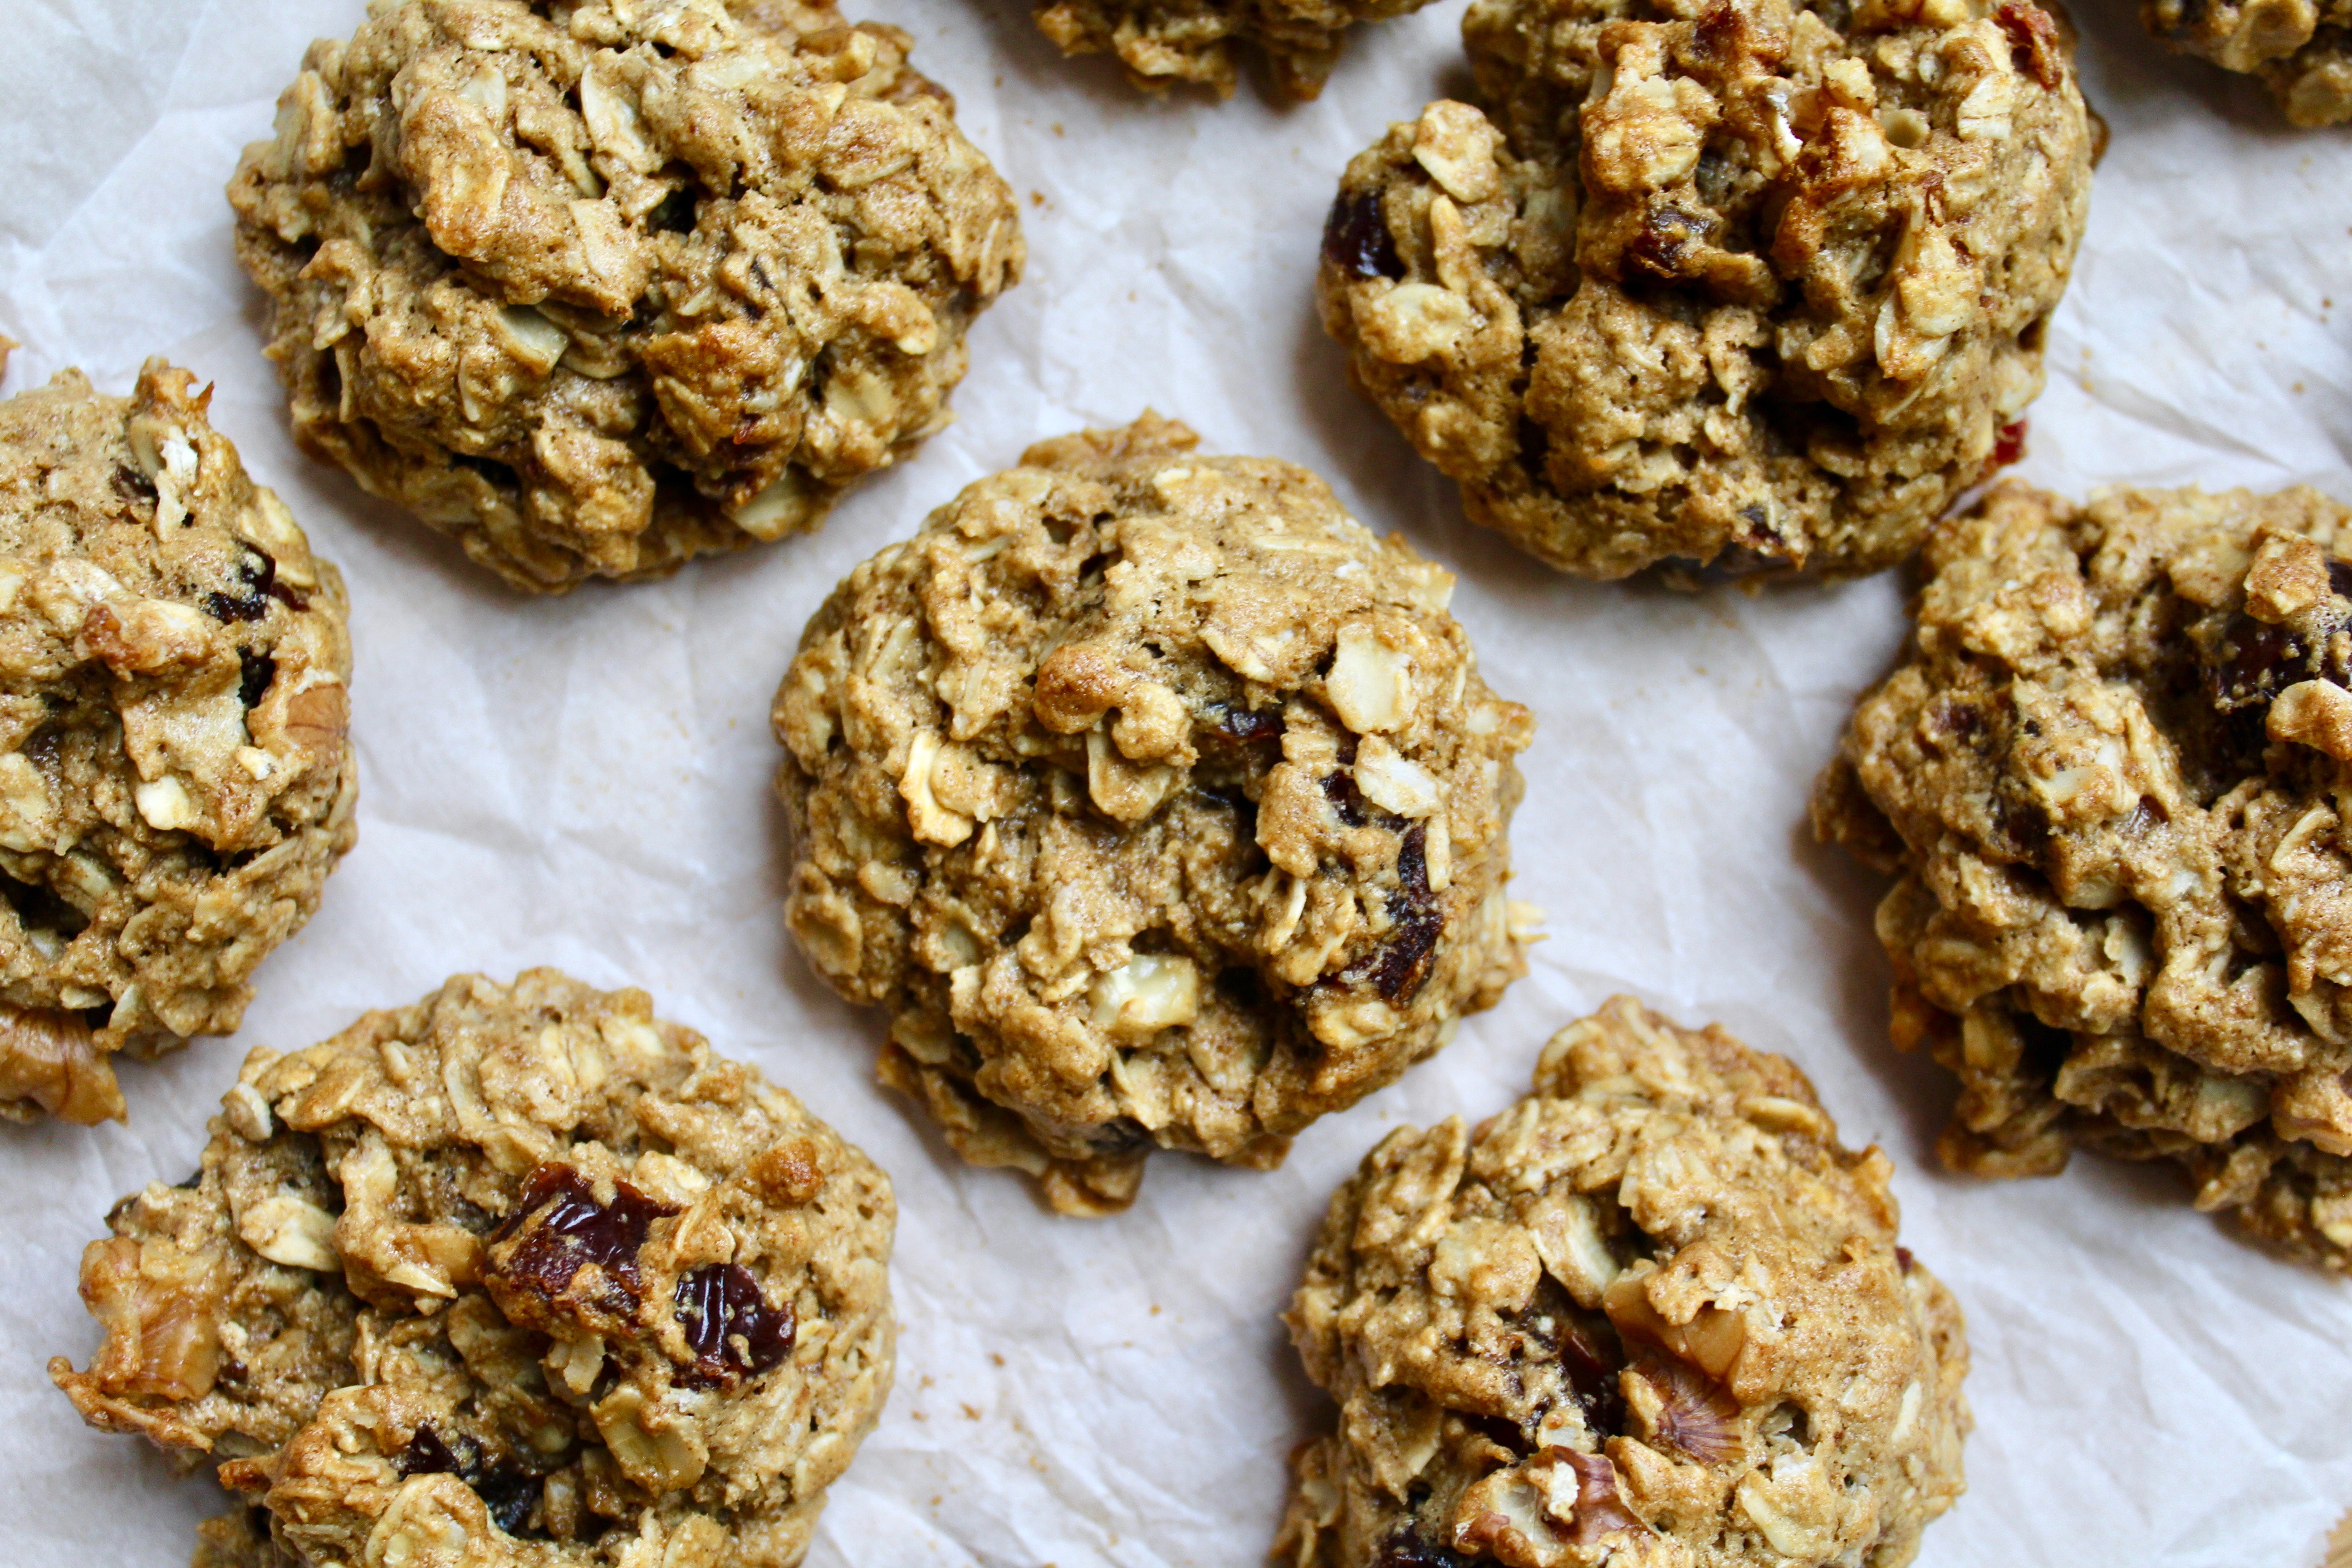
(1398, 967)
(733, 1329)
(1248, 723)
(506, 1488)
(255, 672)
(1356, 236)
(1405, 1548)
(2009, 447)
(2033, 44)
(1669, 236)
(1340, 790)
(560, 1231)
(1591, 1360)
(257, 585)
(2253, 662)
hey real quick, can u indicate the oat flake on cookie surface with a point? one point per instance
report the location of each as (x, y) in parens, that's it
(518, 1276)
(1652, 1314)
(1163, 41)
(1158, 803)
(600, 285)
(174, 781)
(2300, 50)
(1748, 286)
(2110, 776)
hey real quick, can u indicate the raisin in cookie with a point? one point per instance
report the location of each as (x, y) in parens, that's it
(1652, 1314)
(1158, 801)
(1752, 286)
(519, 1275)
(598, 287)
(2301, 50)
(174, 783)
(2109, 777)
(1163, 41)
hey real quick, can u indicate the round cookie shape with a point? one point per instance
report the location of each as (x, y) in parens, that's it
(174, 781)
(2301, 51)
(1196, 41)
(1158, 803)
(599, 286)
(1751, 288)
(1652, 1314)
(520, 1275)
(2107, 777)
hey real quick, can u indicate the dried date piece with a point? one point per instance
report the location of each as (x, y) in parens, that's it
(1590, 1330)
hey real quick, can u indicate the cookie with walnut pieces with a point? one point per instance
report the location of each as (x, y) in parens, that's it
(598, 286)
(1164, 41)
(518, 1276)
(2300, 50)
(174, 781)
(2109, 778)
(1652, 1314)
(1746, 288)
(1160, 804)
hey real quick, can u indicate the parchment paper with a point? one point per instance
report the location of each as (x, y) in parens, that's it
(585, 782)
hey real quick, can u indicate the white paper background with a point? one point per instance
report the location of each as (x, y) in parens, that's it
(585, 782)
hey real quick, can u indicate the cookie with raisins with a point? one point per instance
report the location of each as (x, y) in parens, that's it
(174, 780)
(1197, 41)
(2108, 778)
(1746, 288)
(1652, 1314)
(1158, 801)
(517, 1274)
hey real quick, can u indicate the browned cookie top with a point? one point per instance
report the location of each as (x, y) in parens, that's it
(597, 287)
(1652, 1314)
(174, 783)
(1164, 41)
(2300, 50)
(1756, 286)
(2109, 777)
(1159, 801)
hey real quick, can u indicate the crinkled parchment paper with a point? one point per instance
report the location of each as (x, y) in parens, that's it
(585, 782)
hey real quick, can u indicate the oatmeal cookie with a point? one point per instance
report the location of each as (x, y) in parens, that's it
(1756, 288)
(1652, 1314)
(1163, 41)
(1158, 801)
(2301, 50)
(518, 1277)
(174, 783)
(2110, 778)
(598, 287)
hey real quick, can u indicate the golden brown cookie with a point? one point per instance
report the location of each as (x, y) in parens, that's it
(174, 783)
(2300, 50)
(518, 1276)
(1755, 287)
(1196, 41)
(597, 287)
(1158, 801)
(1653, 1315)
(2109, 777)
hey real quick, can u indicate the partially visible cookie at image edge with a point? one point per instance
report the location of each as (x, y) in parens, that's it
(2108, 777)
(599, 288)
(1654, 1313)
(1196, 41)
(2300, 50)
(520, 1275)
(1158, 801)
(1756, 288)
(175, 784)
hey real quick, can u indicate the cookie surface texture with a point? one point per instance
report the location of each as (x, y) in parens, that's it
(599, 286)
(2109, 779)
(518, 1277)
(174, 780)
(2300, 50)
(1158, 803)
(1652, 1314)
(1749, 288)
(1197, 41)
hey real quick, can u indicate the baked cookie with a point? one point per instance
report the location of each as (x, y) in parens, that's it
(2302, 49)
(520, 1265)
(2108, 776)
(1158, 801)
(1652, 1314)
(1751, 287)
(1164, 41)
(174, 783)
(597, 287)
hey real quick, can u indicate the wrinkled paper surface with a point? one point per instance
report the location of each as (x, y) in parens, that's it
(585, 781)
